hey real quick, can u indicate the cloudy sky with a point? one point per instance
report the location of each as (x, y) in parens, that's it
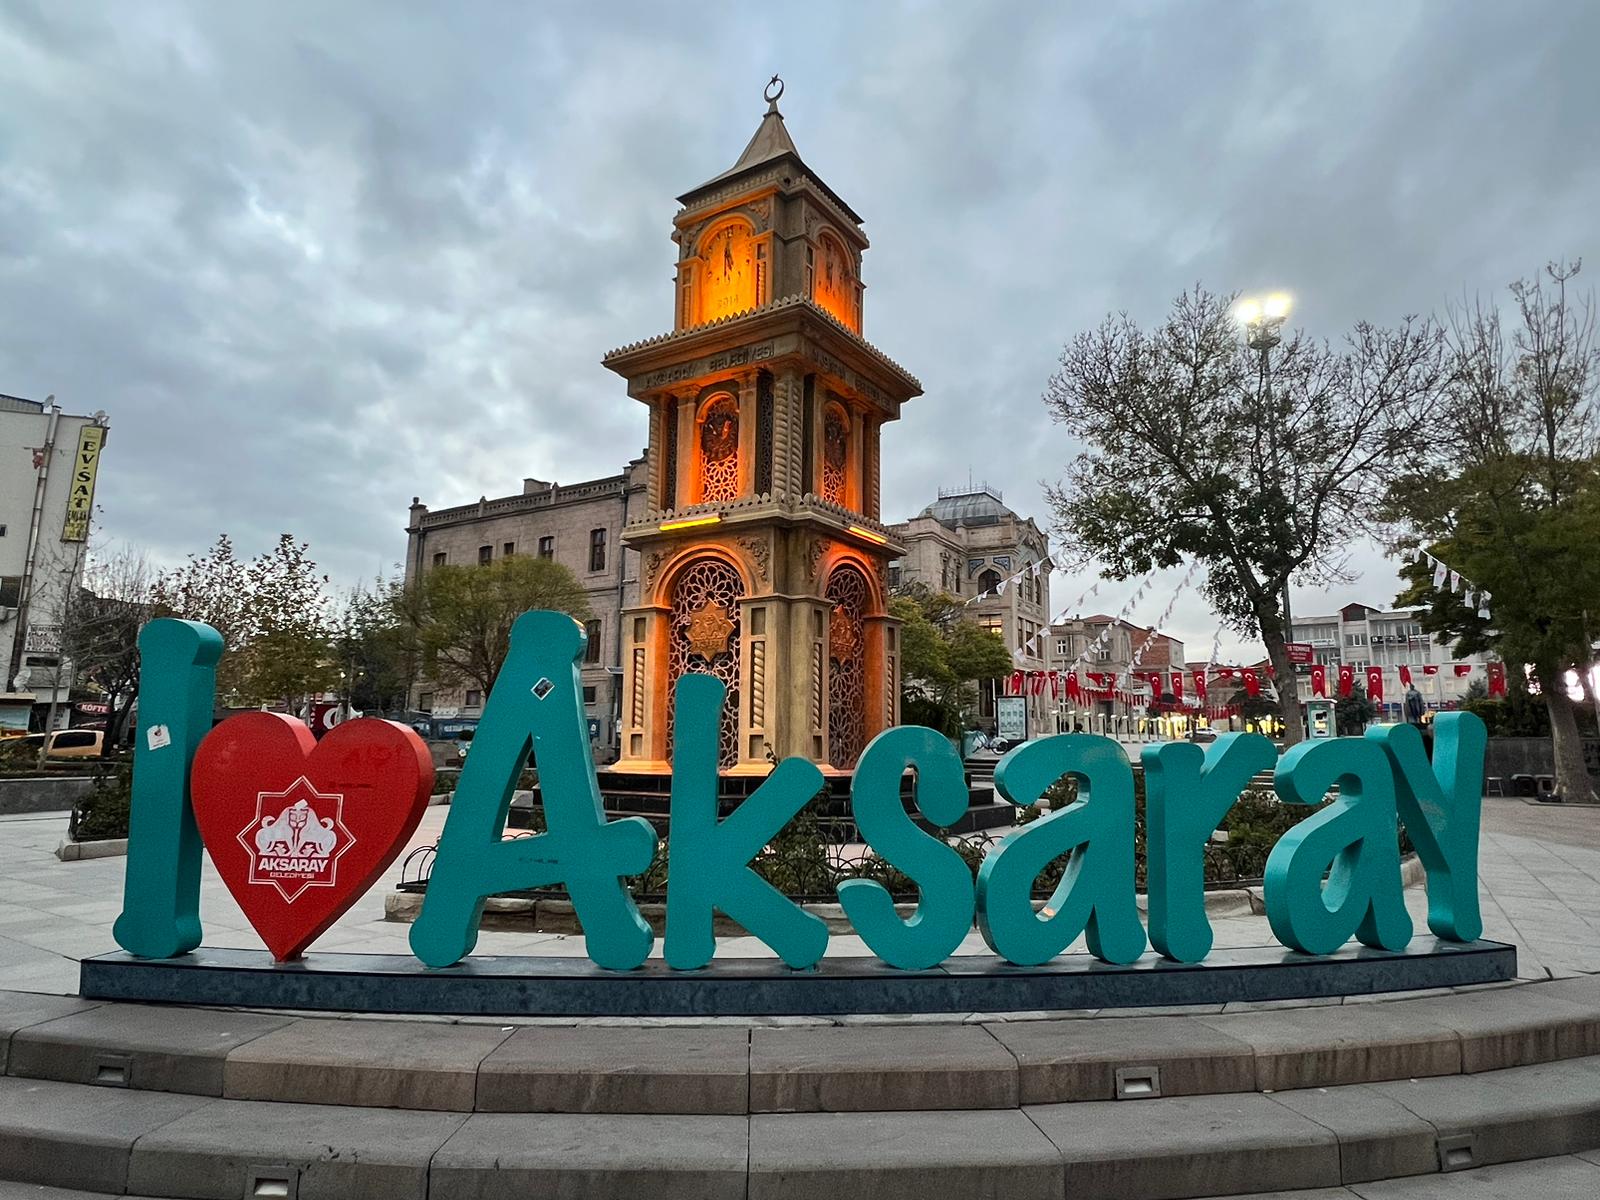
(315, 259)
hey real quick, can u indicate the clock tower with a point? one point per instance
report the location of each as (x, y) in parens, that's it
(763, 559)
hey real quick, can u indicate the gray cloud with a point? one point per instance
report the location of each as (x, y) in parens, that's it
(315, 259)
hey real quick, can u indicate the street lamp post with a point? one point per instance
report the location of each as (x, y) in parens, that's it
(1263, 324)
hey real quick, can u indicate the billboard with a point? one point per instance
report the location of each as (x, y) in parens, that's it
(1300, 653)
(80, 495)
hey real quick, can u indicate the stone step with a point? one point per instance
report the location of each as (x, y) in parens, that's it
(112, 1141)
(728, 1067)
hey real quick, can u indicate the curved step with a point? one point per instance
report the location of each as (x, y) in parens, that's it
(162, 1145)
(730, 1068)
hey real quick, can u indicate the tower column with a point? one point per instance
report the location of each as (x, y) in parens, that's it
(747, 432)
(688, 456)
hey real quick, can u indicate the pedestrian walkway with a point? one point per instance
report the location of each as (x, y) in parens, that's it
(1539, 866)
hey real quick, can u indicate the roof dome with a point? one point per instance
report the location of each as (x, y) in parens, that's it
(975, 506)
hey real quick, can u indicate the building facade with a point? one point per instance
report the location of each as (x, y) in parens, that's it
(968, 544)
(49, 461)
(579, 526)
(1360, 636)
(1116, 691)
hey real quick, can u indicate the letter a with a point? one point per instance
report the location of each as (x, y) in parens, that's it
(1440, 805)
(1355, 841)
(1187, 793)
(161, 890)
(1096, 893)
(535, 699)
(708, 863)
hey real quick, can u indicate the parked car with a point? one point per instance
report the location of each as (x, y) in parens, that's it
(64, 744)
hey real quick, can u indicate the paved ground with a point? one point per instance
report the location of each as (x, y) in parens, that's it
(1540, 870)
(1570, 1177)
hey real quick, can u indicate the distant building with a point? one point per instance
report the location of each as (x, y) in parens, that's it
(1077, 644)
(1361, 636)
(578, 525)
(48, 464)
(969, 544)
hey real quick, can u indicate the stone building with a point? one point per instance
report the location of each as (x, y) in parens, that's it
(578, 525)
(969, 544)
(1077, 643)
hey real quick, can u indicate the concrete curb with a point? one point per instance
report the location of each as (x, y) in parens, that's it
(69, 851)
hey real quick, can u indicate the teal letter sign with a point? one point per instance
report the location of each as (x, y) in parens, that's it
(161, 889)
(1187, 792)
(536, 697)
(1355, 841)
(709, 861)
(1096, 895)
(1440, 804)
(944, 884)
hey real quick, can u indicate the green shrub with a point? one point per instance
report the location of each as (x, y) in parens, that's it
(103, 811)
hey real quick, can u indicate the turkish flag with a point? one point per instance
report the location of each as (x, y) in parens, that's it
(1038, 682)
(1157, 679)
(1200, 686)
(1177, 686)
(1430, 670)
(1319, 679)
(1055, 684)
(1073, 689)
(1225, 673)
(1497, 678)
(1463, 669)
(1014, 688)
(1252, 681)
(1405, 676)
(1375, 683)
(1347, 679)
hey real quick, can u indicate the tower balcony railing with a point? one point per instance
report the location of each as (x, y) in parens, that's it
(759, 500)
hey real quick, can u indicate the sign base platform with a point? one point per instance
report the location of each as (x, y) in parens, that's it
(574, 987)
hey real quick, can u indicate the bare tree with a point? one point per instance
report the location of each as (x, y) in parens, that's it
(1189, 452)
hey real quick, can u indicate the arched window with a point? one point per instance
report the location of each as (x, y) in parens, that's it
(835, 453)
(850, 598)
(703, 638)
(719, 450)
(988, 581)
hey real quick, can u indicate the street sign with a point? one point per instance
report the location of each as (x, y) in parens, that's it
(1011, 718)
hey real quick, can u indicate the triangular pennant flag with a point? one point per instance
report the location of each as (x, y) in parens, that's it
(1455, 581)
(1440, 574)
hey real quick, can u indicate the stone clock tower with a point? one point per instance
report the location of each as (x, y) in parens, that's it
(763, 560)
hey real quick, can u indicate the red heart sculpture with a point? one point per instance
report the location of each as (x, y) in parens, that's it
(299, 829)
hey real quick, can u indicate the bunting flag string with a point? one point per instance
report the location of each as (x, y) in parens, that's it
(1031, 571)
(1447, 578)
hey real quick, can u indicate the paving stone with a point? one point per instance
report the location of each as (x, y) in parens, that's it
(18, 1010)
(37, 1191)
(381, 1064)
(1514, 1028)
(1078, 1060)
(1548, 1179)
(698, 1070)
(337, 1153)
(879, 1067)
(1379, 1138)
(651, 1157)
(1326, 1047)
(1187, 1146)
(1524, 1112)
(902, 1156)
(141, 1046)
(1337, 1193)
(79, 1137)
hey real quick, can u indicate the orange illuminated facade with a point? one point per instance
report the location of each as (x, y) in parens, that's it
(763, 559)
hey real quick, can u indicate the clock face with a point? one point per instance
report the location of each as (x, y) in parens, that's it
(834, 286)
(729, 272)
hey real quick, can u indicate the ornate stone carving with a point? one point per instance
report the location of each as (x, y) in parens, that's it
(819, 547)
(709, 631)
(760, 553)
(652, 565)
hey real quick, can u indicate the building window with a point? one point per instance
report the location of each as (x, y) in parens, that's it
(992, 623)
(425, 701)
(894, 574)
(1063, 647)
(719, 450)
(597, 549)
(508, 549)
(474, 698)
(485, 555)
(989, 581)
(591, 652)
(589, 693)
(440, 558)
(547, 547)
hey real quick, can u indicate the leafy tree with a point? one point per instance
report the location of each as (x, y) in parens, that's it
(100, 632)
(1189, 452)
(272, 613)
(1353, 713)
(462, 615)
(942, 655)
(376, 650)
(1507, 491)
